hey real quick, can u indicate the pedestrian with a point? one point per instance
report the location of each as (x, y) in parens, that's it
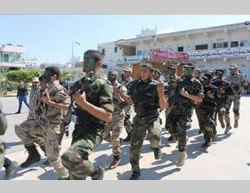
(22, 93)
(56, 103)
(189, 91)
(148, 98)
(114, 129)
(238, 83)
(93, 108)
(157, 74)
(31, 131)
(10, 166)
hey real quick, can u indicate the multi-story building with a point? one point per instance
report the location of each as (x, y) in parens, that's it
(11, 57)
(209, 48)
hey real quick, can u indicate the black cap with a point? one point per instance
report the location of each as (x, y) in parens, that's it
(219, 71)
(93, 54)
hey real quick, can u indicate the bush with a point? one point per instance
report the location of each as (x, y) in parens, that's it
(22, 75)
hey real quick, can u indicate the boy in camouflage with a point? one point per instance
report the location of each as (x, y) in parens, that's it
(148, 97)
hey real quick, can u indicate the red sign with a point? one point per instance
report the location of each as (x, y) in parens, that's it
(159, 54)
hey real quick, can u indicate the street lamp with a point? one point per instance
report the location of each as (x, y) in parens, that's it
(73, 58)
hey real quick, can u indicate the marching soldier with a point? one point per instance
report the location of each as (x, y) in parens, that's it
(118, 116)
(56, 102)
(93, 108)
(148, 97)
(237, 82)
(10, 166)
(189, 91)
(169, 92)
(128, 109)
(30, 131)
(208, 110)
(224, 90)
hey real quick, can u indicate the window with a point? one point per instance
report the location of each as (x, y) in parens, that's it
(103, 51)
(116, 49)
(139, 53)
(220, 45)
(180, 49)
(243, 43)
(201, 47)
(234, 44)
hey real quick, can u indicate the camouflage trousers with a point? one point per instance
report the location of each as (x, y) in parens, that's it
(52, 136)
(208, 124)
(198, 114)
(76, 158)
(115, 127)
(140, 127)
(30, 132)
(2, 149)
(235, 99)
(179, 122)
(127, 123)
(221, 114)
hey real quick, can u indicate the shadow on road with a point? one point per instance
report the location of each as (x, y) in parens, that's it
(11, 144)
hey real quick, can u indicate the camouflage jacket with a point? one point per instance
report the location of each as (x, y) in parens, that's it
(193, 86)
(34, 104)
(57, 94)
(170, 88)
(237, 82)
(98, 92)
(145, 97)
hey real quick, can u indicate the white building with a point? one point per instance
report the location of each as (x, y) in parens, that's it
(210, 48)
(11, 56)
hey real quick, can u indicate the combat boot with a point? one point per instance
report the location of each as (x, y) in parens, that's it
(115, 163)
(135, 176)
(98, 174)
(157, 153)
(208, 143)
(181, 159)
(228, 128)
(33, 157)
(11, 170)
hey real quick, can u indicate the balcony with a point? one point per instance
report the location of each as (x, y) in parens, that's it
(8, 64)
(220, 53)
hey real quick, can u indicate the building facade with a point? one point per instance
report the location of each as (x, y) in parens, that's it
(11, 56)
(210, 48)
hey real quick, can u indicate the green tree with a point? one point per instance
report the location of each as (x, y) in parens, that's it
(22, 75)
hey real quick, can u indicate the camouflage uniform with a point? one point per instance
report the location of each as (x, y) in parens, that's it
(145, 98)
(31, 131)
(88, 133)
(208, 109)
(128, 111)
(198, 112)
(52, 118)
(236, 82)
(169, 92)
(225, 91)
(180, 117)
(117, 124)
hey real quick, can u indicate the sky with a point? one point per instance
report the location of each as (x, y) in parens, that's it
(49, 37)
